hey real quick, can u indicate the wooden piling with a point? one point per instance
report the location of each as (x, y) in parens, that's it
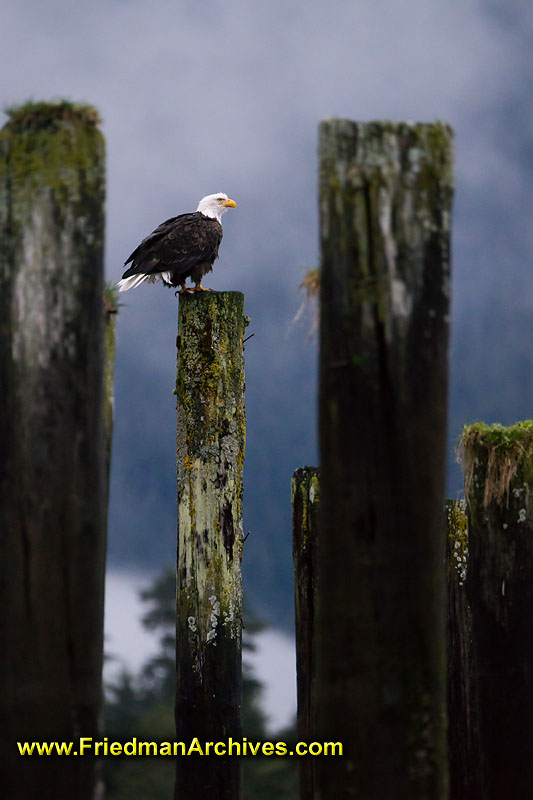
(385, 203)
(52, 476)
(210, 455)
(110, 314)
(498, 752)
(305, 503)
(463, 745)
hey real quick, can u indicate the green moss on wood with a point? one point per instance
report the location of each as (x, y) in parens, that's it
(305, 498)
(205, 379)
(34, 115)
(52, 192)
(111, 304)
(505, 451)
(51, 146)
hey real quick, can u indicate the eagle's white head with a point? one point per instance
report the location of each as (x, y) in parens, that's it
(214, 205)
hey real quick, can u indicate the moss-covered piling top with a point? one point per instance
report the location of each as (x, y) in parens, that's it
(49, 115)
(506, 450)
(55, 145)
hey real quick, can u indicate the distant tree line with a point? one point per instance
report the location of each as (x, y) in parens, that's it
(141, 705)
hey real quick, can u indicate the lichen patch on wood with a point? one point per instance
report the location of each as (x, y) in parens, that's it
(457, 526)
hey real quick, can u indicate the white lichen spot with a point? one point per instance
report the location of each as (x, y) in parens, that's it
(312, 494)
(191, 621)
(229, 617)
(505, 526)
(517, 492)
(522, 515)
(215, 613)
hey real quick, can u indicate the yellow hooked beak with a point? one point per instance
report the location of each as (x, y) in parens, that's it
(229, 203)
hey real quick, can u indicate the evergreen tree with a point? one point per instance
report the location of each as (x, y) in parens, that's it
(142, 706)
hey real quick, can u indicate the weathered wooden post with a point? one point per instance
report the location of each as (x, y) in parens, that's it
(53, 477)
(210, 456)
(305, 503)
(498, 465)
(385, 202)
(110, 311)
(463, 745)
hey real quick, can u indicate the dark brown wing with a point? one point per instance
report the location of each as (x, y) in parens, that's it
(177, 245)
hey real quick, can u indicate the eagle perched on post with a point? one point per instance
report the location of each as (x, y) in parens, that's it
(181, 247)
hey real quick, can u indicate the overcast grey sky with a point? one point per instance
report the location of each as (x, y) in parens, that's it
(226, 96)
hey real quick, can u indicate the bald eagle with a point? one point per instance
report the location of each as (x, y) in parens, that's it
(181, 247)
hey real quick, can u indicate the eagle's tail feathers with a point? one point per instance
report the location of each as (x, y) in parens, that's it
(131, 282)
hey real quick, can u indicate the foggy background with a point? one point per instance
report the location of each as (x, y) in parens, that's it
(227, 96)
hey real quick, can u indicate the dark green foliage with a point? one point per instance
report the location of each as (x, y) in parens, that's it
(142, 706)
(267, 778)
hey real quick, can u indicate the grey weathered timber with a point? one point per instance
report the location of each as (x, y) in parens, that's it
(52, 475)
(305, 504)
(210, 456)
(385, 204)
(498, 754)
